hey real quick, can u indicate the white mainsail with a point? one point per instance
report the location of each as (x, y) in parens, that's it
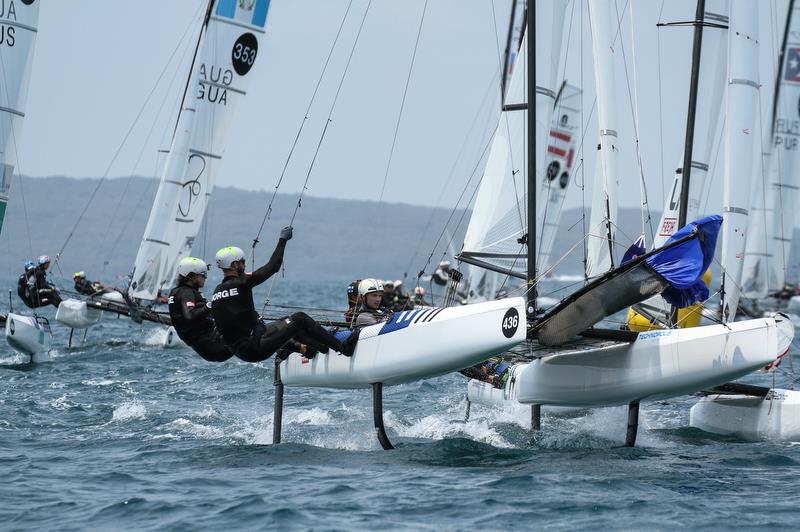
(227, 50)
(783, 163)
(602, 225)
(741, 163)
(710, 95)
(498, 221)
(19, 21)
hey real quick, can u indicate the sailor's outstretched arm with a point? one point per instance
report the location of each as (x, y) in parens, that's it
(275, 262)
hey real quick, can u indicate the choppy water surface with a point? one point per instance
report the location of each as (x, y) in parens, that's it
(120, 433)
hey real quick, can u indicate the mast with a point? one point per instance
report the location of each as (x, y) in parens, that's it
(686, 170)
(507, 55)
(531, 147)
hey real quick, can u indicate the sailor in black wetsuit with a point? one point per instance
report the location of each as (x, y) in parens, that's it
(44, 293)
(191, 314)
(241, 327)
(25, 284)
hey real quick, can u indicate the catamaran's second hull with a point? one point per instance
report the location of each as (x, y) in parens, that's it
(658, 365)
(28, 335)
(415, 344)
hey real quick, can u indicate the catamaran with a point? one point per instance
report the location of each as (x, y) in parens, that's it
(572, 364)
(744, 410)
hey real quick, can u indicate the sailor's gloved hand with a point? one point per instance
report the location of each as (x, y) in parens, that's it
(286, 232)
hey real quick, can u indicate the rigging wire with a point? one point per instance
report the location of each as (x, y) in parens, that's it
(633, 100)
(268, 212)
(450, 175)
(115, 242)
(118, 151)
(330, 114)
(660, 103)
(403, 101)
(559, 105)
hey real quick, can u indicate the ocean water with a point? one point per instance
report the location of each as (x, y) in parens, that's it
(119, 433)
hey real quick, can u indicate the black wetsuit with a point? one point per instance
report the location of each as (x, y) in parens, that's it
(241, 327)
(86, 287)
(192, 321)
(24, 289)
(43, 292)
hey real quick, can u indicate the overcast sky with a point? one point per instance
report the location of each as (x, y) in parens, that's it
(96, 61)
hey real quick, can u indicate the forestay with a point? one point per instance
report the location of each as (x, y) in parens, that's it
(498, 224)
(227, 50)
(19, 20)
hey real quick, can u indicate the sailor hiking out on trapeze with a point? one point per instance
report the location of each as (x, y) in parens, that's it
(242, 329)
(190, 313)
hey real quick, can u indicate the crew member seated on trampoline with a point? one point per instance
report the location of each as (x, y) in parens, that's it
(25, 284)
(495, 371)
(190, 313)
(44, 293)
(352, 302)
(370, 311)
(86, 287)
(242, 329)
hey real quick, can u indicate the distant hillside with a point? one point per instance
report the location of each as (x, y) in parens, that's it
(334, 239)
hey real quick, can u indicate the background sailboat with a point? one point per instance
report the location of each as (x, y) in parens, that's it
(29, 335)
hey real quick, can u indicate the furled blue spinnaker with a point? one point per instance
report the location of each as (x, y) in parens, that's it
(683, 265)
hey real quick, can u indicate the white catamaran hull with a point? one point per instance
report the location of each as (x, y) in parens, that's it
(657, 365)
(28, 335)
(774, 417)
(505, 398)
(76, 314)
(415, 344)
(172, 339)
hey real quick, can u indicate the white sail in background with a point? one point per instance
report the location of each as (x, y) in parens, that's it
(603, 219)
(784, 167)
(710, 95)
(18, 21)
(741, 162)
(228, 47)
(559, 163)
(499, 218)
(758, 247)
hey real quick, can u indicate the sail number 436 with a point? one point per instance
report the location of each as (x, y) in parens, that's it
(510, 322)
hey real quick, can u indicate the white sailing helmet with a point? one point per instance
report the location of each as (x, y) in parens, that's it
(367, 286)
(227, 256)
(189, 265)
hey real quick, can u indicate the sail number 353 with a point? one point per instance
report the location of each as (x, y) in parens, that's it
(510, 322)
(244, 53)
